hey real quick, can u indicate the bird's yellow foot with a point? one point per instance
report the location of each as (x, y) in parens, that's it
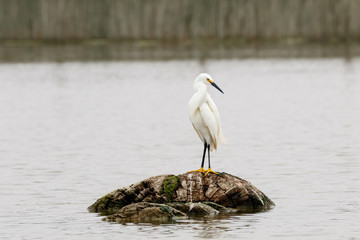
(210, 171)
(199, 170)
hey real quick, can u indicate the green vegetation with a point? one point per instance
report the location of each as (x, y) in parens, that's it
(169, 186)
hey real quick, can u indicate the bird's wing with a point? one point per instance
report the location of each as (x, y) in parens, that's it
(210, 121)
(214, 110)
(219, 134)
(196, 131)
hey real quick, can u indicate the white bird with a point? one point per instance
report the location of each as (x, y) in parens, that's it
(205, 117)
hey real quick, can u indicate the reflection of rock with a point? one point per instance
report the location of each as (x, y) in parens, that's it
(164, 197)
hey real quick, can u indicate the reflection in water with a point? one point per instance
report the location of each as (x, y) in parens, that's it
(216, 227)
(71, 132)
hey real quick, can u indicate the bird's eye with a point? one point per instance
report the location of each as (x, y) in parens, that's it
(210, 81)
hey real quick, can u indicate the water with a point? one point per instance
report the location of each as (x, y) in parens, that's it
(72, 132)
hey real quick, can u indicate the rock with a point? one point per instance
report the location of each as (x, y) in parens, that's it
(149, 190)
(220, 208)
(145, 212)
(197, 209)
(165, 197)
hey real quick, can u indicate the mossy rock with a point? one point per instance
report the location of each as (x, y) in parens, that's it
(211, 194)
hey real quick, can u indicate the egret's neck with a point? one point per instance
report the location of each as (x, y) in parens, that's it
(201, 90)
(199, 97)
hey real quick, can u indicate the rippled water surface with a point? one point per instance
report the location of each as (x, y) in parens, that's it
(72, 132)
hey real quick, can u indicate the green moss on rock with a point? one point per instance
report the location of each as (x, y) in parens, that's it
(107, 205)
(169, 186)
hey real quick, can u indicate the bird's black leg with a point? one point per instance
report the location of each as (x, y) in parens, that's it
(203, 161)
(208, 147)
(203, 158)
(209, 170)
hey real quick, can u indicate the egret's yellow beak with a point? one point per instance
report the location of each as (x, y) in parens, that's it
(212, 83)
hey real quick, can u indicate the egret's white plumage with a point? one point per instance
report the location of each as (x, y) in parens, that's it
(204, 114)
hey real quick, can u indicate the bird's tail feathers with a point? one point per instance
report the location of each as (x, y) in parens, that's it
(221, 138)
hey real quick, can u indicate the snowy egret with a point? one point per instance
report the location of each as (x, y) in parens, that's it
(205, 118)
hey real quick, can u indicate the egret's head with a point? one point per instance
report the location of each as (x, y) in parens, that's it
(206, 79)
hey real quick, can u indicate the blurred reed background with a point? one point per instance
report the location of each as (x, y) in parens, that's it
(235, 21)
(179, 19)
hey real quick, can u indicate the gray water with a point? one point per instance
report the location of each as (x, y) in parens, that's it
(72, 132)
